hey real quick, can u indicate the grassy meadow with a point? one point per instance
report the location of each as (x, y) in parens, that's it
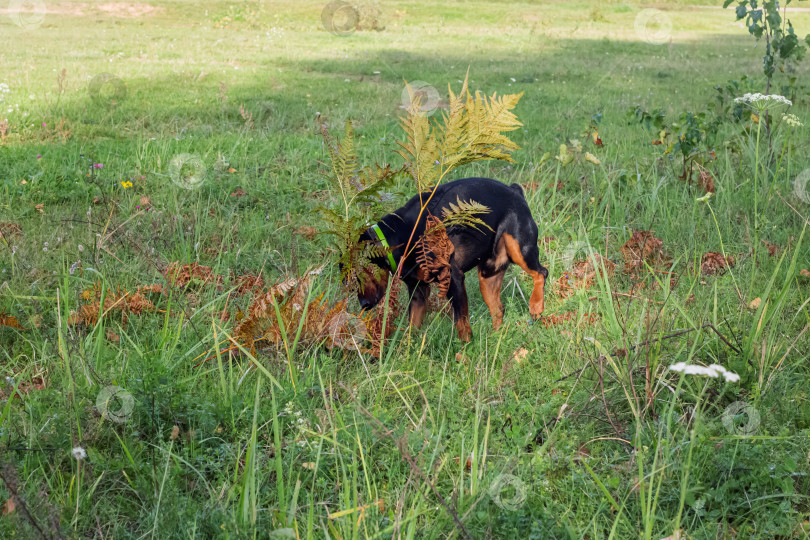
(136, 139)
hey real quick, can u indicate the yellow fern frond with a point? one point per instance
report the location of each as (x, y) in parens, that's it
(471, 130)
(464, 213)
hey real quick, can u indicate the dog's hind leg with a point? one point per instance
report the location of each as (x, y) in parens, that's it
(491, 291)
(528, 258)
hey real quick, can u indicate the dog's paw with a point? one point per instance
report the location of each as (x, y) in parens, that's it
(536, 311)
(464, 330)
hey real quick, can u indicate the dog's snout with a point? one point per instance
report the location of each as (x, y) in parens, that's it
(365, 304)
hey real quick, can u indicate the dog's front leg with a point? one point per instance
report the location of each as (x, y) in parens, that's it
(418, 293)
(458, 297)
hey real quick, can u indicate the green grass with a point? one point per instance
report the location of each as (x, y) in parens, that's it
(423, 438)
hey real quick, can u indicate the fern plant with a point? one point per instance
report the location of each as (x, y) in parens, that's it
(361, 202)
(472, 129)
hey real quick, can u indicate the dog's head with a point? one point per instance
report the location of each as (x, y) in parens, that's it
(372, 283)
(372, 279)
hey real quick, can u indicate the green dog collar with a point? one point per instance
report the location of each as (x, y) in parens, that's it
(384, 242)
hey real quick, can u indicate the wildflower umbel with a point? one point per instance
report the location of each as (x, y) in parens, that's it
(713, 371)
(792, 120)
(763, 102)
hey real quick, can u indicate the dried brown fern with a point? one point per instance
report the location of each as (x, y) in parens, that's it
(433, 252)
(642, 247)
(583, 274)
(179, 275)
(286, 306)
(119, 301)
(11, 322)
(380, 326)
(9, 229)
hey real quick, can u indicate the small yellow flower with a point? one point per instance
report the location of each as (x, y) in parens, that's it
(126, 184)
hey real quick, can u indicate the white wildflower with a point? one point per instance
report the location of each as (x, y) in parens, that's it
(79, 453)
(763, 102)
(792, 120)
(713, 371)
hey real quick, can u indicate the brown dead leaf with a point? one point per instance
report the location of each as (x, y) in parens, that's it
(642, 247)
(40, 207)
(804, 272)
(755, 303)
(773, 249)
(9, 229)
(560, 318)
(307, 232)
(248, 283)
(712, 263)
(144, 200)
(175, 433)
(179, 275)
(11, 322)
(583, 275)
(705, 178)
(112, 336)
(238, 193)
(155, 288)
(8, 507)
(520, 355)
(531, 186)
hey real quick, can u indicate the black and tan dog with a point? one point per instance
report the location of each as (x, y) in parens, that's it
(511, 237)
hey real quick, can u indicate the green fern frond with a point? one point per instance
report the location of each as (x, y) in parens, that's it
(373, 181)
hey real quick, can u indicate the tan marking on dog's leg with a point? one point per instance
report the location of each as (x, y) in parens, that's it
(464, 329)
(418, 311)
(536, 301)
(491, 291)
